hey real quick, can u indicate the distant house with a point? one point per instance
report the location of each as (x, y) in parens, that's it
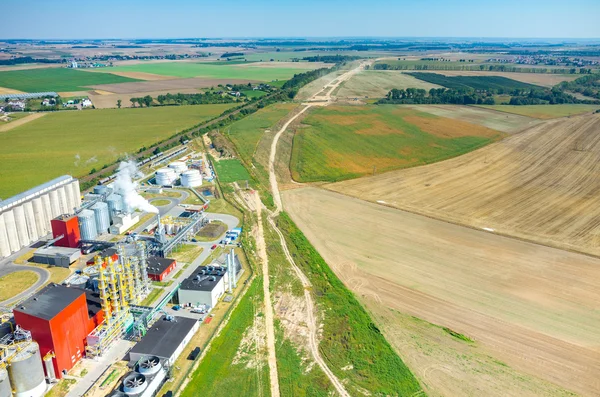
(86, 103)
(74, 65)
(16, 105)
(234, 93)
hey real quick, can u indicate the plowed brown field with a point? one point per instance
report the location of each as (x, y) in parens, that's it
(532, 307)
(541, 185)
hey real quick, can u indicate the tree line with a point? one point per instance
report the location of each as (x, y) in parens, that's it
(437, 96)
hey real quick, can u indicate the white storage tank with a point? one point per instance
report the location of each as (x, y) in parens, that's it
(75, 190)
(102, 217)
(30, 221)
(26, 372)
(40, 216)
(11, 230)
(4, 246)
(165, 176)
(191, 178)
(178, 166)
(21, 224)
(87, 225)
(5, 389)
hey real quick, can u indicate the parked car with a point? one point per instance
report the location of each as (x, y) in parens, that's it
(194, 354)
(213, 247)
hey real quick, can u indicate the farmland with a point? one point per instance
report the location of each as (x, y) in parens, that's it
(77, 142)
(538, 185)
(541, 79)
(340, 142)
(377, 83)
(545, 112)
(231, 170)
(506, 295)
(485, 83)
(212, 71)
(56, 79)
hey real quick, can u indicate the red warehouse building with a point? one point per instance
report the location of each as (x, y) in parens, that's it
(59, 320)
(159, 268)
(68, 226)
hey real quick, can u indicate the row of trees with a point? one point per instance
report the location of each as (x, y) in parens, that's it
(414, 65)
(544, 97)
(437, 96)
(587, 85)
(331, 58)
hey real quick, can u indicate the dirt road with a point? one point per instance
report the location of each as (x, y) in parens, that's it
(269, 322)
(13, 124)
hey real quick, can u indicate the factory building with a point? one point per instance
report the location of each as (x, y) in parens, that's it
(204, 287)
(67, 226)
(56, 256)
(25, 218)
(59, 320)
(159, 268)
(166, 339)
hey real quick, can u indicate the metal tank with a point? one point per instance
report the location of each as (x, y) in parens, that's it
(102, 217)
(26, 372)
(178, 166)
(11, 230)
(21, 226)
(115, 203)
(4, 245)
(77, 280)
(30, 221)
(100, 189)
(191, 178)
(54, 204)
(62, 200)
(47, 211)
(5, 389)
(69, 199)
(76, 191)
(87, 225)
(165, 176)
(40, 217)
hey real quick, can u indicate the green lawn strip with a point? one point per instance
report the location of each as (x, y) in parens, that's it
(350, 338)
(231, 170)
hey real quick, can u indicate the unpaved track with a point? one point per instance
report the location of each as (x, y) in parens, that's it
(270, 323)
(20, 122)
(311, 309)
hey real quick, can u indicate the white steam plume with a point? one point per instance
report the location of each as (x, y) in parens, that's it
(126, 187)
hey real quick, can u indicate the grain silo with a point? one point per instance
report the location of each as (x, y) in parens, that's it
(40, 216)
(5, 388)
(11, 230)
(30, 221)
(4, 245)
(62, 201)
(100, 189)
(54, 204)
(21, 226)
(87, 225)
(76, 193)
(102, 217)
(115, 204)
(69, 199)
(26, 372)
(165, 176)
(191, 178)
(47, 211)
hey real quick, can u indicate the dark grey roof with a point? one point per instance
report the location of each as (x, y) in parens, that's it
(163, 338)
(50, 301)
(158, 265)
(108, 252)
(203, 282)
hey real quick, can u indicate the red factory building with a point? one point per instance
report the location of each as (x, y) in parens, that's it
(68, 226)
(159, 268)
(60, 318)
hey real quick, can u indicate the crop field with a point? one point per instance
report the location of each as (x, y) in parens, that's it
(247, 132)
(545, 112)
(231, 170)
(56, 79)
(506, 295)
(541, 79)
(474, 82)
(76, 142)
(173, 85)
(487, 117)
(377, 83)
(212, 71)
(340, 142)
(539, 185)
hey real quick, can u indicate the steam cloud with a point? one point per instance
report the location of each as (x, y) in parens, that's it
(126, 187)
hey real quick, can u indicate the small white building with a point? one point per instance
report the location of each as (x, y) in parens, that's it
(86, 103)
(204, 287)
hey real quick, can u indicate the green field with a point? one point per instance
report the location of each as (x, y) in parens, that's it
(483, 83)
(212, 71)
(231, 170)
(56, 79)
(253, 93)
(219, 374)
(545, 111)
(76, 142)
(341, 142)
(247, 132)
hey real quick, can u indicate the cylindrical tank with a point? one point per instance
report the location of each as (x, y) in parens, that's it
(62, 200)
(78, 280)
(191, 178)
(178, 166)
(40, 217)
(30, 221)
(26, 372)
(47, 211)
(54, 203)
(102, 218)
(100, 189)
(4, 245)
(165, 176)
(21, 226)
(75, 190)
(11, 230)
(115, 203)
(87, 225)
(69, 198)
(5, 389)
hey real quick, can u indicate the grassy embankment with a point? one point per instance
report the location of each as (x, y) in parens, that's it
(342, 142)
(57, 79)
(350, 338)
(77, 142)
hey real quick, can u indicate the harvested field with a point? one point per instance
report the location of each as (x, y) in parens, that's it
(341, 142)
(545, 112)
(174, 86)
(487, 117)
(377, 83)
(4, 91)
(137, 75)
(68, 94)
(541, 79)
(540, 185)
(507, 295)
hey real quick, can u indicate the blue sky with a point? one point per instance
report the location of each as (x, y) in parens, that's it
(300, 18)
